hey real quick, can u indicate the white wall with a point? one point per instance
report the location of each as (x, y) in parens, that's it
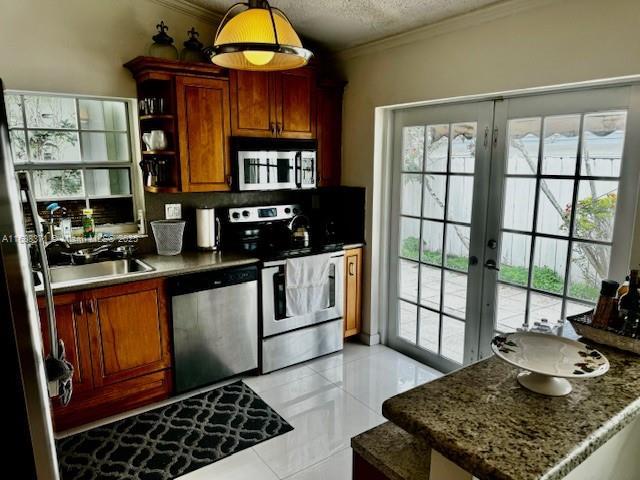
(530, 43)
(79, 46)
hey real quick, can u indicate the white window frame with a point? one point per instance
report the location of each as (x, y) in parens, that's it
(137, 190)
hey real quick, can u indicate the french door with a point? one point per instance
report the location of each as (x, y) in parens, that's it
(507, 212)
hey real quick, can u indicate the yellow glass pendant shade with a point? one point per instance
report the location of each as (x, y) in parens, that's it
(259, 38)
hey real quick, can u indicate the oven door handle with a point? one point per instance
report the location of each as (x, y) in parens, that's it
(298, 169)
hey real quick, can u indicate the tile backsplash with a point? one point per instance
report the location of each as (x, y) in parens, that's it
(345, 204)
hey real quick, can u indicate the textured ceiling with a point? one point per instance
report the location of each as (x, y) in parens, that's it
(340, 24)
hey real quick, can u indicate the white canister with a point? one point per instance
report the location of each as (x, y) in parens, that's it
(208, 229)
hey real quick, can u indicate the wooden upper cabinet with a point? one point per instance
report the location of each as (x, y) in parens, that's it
(203, 132)
(295, 103)
(129, 329)
(329, 132)
(275, 105)
(252, 110)
(71, 324)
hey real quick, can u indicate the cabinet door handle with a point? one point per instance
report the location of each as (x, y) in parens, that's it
(273, 129)
(351, 269)
(279, 128)
(79, 309)
(91, 307)
(229, 180)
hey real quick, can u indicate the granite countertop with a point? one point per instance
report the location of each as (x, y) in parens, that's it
(481, 419)
(394, 452)
(163, 266)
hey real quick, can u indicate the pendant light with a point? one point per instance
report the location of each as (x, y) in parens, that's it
(260, 38)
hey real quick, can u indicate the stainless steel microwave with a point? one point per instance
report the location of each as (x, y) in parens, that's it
(266, 164)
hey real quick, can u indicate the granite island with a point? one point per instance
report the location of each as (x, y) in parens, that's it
(478, 422)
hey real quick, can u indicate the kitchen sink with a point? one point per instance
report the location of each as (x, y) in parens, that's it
(91, 271)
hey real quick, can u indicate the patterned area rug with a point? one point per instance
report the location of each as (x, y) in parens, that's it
(170, 441)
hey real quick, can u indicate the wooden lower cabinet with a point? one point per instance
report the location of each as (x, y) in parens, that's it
(118, 340)
(353, 292)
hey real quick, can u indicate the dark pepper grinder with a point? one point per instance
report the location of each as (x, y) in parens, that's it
(606, 312)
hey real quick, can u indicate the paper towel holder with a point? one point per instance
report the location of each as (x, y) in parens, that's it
(208, 229)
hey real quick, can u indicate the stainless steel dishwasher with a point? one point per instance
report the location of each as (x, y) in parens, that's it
(215, 325)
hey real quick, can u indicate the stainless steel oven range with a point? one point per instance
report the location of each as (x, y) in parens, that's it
(286, 340)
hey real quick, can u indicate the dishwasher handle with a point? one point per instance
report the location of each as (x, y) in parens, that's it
(198, 282)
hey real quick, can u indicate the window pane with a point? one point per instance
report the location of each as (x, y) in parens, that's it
(524, 144)
(549, 264)
(514, 258)
(430, 280)
(105, 182)
(463, 147)
(589, 266)
(434, 196)
(460, 198)
(50, 112)
(457, 255)
(518, 203)
(408, 321)
(544, 306)
(13, 104)
(560, 149)
(603, 143)
(429, 330)
(112, 210)
(53, 146)
(596, 209)
(453, 339)
(554, 211)
(18, 145)
(409, 238)
(455, 294)
(511, 306)
(52, 184)
(102, 115)
(408, 280)
(412, 149)
(432, 233)
(437, 148)
(102, 147)
(411, 194)
(576, 308)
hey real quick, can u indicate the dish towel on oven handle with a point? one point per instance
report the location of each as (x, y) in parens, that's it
(307, 284)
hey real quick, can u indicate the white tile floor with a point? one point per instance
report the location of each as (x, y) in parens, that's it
(328, 401)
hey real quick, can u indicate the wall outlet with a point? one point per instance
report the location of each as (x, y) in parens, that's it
(173, 211)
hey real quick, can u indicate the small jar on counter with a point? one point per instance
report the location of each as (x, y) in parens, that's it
(606, 311)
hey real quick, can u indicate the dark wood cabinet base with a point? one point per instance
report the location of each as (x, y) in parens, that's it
(114, 399)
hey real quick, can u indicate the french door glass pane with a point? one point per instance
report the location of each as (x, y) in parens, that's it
(435, 187)
(560, 149)
(544, 307)
(549, 264)
(437, 148)
(603, 142)
(461, 194)
(589, 266)
(452, 339)
(457, 255)
(432, 242)
(430, 286)
(519, 198)
(412, 149)
(554, 206)
(411, 194)
(429, 330)
(408, 321)
(409, 238)
(511, 308)
(515, 254)
(523, 146)
(408, 280)
(596, 209)
(455, 294)
(463, 147)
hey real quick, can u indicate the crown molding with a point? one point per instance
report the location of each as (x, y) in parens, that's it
(466, 20)
(189, 8)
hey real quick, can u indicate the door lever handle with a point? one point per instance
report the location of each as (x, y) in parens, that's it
(491, 265)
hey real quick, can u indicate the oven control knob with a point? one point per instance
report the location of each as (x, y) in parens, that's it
(287, 210)
(296, 211)
(235, 215)
(245, 213)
